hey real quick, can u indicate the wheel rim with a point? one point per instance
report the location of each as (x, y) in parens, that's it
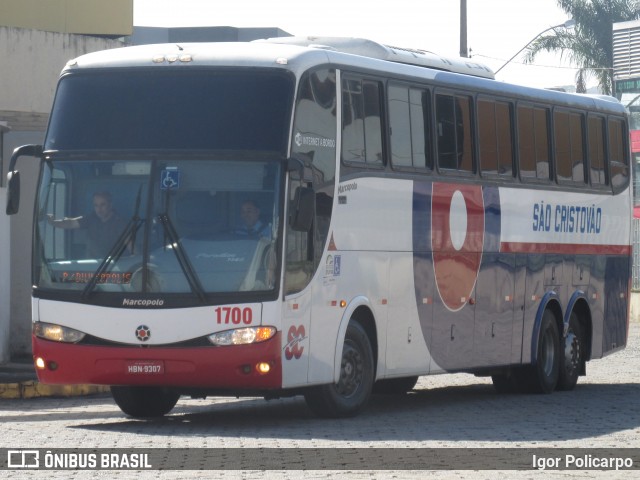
(351, 370)
(547, 357)
(571, 352)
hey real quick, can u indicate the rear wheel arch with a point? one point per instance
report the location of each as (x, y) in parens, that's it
(364, 316)
(553, 305)
(551, 302)
(543, 373)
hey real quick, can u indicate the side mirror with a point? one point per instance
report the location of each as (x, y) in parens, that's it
(13, 192)
(13, 177)
(302, 208)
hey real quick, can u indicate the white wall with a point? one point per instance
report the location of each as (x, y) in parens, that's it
(5, 284)
(31, 63)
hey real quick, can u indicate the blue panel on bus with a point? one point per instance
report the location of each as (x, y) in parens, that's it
(491, 196)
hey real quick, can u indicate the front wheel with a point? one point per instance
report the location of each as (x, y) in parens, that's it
(145, 402)
(572, 356)
(352, 392)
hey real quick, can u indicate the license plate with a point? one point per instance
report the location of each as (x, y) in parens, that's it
(144, 367)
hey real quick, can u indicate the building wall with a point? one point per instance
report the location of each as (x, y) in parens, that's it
(148, 35)
(5, 306)
(626, 54)
(95, 17)
(32, 61)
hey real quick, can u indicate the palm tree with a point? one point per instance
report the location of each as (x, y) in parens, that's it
(589, 46)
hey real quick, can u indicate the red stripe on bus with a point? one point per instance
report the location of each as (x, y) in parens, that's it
(565, 248)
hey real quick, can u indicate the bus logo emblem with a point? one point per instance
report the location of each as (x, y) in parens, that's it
(457, 237)
(295, 336)
(143, 333)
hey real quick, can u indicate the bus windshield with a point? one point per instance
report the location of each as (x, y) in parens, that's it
(199, 226)
(162, 181)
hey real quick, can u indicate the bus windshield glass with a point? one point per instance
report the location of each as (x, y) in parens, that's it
(198, 109)
(196, 226)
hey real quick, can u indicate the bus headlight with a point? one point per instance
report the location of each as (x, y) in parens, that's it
(242, 336)
(57, 333)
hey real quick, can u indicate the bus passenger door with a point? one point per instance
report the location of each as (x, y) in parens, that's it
(296, 318)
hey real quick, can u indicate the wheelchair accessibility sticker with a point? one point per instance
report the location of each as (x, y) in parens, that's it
(170, 178)
(332, 269)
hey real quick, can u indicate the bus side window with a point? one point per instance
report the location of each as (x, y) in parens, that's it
(597, 172)
(409, 127)
(453, 124)
(299, 261)
(495, 137)
(568, 144)
(361, 122)
(533, 143)
(420, 101)
(618, 159)
(400, 126)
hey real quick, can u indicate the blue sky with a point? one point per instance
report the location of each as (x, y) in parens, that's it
(496, 30)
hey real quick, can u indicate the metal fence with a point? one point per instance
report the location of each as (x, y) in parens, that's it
(636, 255)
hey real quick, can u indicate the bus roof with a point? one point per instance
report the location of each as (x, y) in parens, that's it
(409, 56)
(216, 53)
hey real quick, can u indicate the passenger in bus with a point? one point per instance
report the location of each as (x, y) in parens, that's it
(252, 225)
(104, 226)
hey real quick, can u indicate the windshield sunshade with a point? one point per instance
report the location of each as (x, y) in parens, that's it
(172, 109)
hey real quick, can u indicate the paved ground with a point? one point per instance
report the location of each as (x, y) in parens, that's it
(456, 411)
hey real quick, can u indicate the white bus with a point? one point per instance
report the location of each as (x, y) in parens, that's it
(321, 216)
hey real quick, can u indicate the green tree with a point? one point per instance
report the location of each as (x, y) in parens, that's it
(588, 46)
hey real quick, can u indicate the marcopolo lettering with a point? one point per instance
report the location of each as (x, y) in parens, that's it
(130, 302)
(348, 187)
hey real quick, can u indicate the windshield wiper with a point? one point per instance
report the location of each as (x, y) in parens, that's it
(183, 259)
(114, 254)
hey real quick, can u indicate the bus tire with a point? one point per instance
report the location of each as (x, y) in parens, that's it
(572, 356)
(395, 386)
(542, 377)
(351, 394)
(145, 402)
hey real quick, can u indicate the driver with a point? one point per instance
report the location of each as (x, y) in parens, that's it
(104, 226)
(252, 225)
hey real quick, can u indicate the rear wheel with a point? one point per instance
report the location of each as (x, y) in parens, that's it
(145, 402)
(352, 392)
(542, 377)
(572, 356)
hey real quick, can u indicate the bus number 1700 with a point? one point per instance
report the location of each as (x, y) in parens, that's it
(235, 315)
